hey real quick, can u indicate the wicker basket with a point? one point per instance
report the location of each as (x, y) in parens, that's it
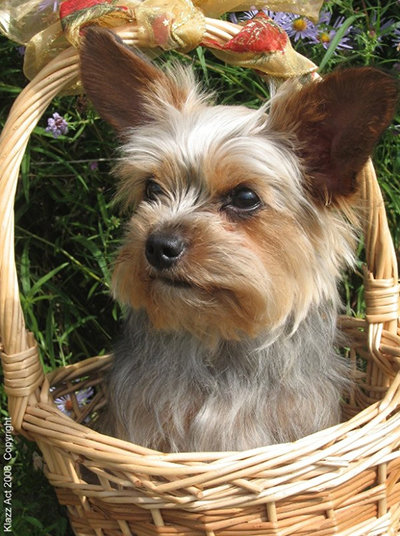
(344, 480)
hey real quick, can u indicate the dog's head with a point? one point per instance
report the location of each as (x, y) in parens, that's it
(236, 224)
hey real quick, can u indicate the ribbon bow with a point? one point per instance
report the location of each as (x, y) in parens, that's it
(47, 27)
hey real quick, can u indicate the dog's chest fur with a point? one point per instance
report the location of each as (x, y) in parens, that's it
(174, 394)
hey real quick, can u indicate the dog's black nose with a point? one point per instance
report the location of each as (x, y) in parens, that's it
(163, 250)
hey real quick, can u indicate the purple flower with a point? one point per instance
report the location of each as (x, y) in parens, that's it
(46, 4)
(279, 17)
(232, 17)
(396, 38)
(295, 26)
(57, 125)
(242, 16)
(378, 29)
(299, 28)
(327, 32)
(64, 403)
(94, 166)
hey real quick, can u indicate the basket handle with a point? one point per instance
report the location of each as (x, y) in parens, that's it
(381, 284)
(381, 276)
(23, 373)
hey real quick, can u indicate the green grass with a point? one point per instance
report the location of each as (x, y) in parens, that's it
(67, 228)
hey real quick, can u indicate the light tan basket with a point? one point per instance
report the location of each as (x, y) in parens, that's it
(344, 480)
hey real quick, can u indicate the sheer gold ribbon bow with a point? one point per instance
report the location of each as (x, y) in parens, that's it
(47, 27)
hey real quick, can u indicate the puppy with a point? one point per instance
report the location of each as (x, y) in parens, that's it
(242, 221)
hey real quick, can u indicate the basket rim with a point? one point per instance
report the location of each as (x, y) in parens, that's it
(383, 407)
(369, 435)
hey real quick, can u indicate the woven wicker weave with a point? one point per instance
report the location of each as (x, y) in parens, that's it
(344, 480)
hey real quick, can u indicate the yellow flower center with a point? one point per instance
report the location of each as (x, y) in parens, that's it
(68, 404)
(324, 37)
(299, 25)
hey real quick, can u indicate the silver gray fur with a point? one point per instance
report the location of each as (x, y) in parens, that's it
(168, 392)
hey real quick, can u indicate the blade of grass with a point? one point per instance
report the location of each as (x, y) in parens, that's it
(40, 282)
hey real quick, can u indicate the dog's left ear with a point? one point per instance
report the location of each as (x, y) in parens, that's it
(336, 122)
(117, 80)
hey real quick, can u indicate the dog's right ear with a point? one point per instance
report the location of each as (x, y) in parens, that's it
(117, 79)
(337, 122)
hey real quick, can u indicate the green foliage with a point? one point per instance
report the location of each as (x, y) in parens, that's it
(67, 228)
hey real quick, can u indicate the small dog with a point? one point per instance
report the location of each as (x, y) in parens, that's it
(242, 222)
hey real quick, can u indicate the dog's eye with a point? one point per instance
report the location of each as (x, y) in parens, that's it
(243, 199)
(153, 190)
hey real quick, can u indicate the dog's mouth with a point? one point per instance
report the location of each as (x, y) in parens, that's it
(177, 283)
(173, 282)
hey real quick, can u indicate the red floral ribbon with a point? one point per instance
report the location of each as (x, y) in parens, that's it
(82, 11)
(259, 35)
(264, 46)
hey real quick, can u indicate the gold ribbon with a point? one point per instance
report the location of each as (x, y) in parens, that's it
(177, 24)
(183, 23)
